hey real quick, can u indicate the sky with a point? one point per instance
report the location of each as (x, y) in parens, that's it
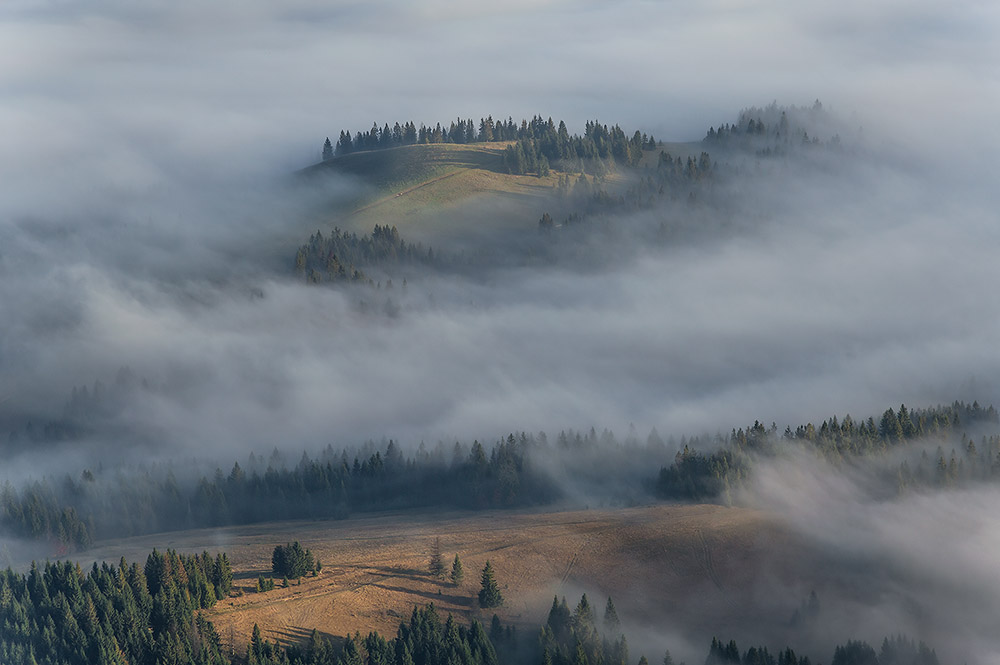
(142, 212)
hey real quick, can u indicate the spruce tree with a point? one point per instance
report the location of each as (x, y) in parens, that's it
(611, 622)
(489, 594)
(436, 564)
(457, 574)
(327, 150)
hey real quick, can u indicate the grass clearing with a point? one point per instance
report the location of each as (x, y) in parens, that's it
(375, 568)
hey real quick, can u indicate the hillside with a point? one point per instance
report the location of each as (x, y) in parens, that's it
(648, 558)
(461, 190)
(420, 186)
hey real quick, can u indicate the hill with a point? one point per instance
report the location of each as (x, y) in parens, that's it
(694, 568)
(459, 190)
(424, 188)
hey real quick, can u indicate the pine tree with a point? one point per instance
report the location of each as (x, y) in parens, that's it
(456, 571)
(327, 150)
(436, 564)
(611, 622)
(489, 594)
(559, 618)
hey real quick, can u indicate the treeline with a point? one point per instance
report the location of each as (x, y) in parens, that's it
(776, 130)
(698, 475)
(114, 615)
(897, 650)
(597, 152)
(84, 411)
(341, 256)
(329, 487)
(538, 143)
(673, 179)
(424, 640)
(572, 638)
(466, 131)
(898, 450)
(566, 638)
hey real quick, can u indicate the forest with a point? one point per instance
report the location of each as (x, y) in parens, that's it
(59, 614)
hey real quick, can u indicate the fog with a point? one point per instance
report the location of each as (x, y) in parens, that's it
(920, 564)
(149, 219)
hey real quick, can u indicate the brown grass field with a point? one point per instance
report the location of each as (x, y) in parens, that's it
(375, 567)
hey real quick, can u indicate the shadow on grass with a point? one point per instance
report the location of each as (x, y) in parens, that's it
(300, 636)
(461, 601)
(414, 574)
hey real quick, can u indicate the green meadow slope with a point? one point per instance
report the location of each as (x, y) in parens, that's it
(462, 191)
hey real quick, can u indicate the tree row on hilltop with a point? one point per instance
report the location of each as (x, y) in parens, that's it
(538, 144)
(466, 131)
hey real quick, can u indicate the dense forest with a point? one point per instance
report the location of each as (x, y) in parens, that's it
(59, 615)
(903, 450)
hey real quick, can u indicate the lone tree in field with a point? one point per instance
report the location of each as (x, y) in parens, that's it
(436, 564)
(489, 594)
(457, 574)
(291, 560)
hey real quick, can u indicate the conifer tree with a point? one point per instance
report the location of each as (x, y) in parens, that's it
(489, 594)
(457, 574)
(611, 622)
(436, 564)
(327, 150)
